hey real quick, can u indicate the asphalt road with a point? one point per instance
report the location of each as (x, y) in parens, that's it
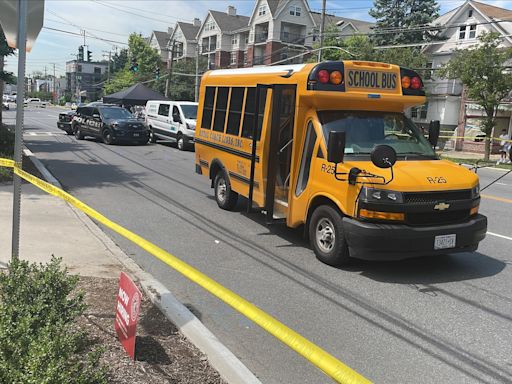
(442, 320)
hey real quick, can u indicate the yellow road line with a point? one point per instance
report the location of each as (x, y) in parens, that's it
(491, 197)
(327, 363)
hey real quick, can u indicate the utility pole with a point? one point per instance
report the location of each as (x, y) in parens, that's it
(54, 83)
(109, 60)
(196, 93)
(169, 67)
(322, 30)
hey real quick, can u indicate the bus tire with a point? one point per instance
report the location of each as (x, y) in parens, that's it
(225, 196)
(327, 238)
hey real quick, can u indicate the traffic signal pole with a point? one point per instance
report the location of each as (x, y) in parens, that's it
(168, 81)
(18, 139)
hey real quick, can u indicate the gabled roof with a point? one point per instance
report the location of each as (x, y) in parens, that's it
(229, 23)
(273, 5)
(360, 25)
(189, 30)
(492, 11)
(161, 38)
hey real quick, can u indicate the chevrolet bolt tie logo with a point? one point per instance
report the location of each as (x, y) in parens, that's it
(441, 206)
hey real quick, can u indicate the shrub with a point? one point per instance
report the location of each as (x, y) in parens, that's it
(6, 141)
(39, 341)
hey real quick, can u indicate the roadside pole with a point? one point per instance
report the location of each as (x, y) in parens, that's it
(18, 140)
(322, 31)
(169, 74)
(196, 91)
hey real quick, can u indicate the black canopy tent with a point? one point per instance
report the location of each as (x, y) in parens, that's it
(137, 94)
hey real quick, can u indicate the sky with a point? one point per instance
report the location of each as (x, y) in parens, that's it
(115, 19)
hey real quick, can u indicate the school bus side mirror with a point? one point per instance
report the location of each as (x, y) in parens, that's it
(433, 132)
(383, 156)
(336, 147)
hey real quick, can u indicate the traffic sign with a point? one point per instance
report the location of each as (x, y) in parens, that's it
(9, 19)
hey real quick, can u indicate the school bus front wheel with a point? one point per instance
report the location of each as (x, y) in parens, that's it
(327, 237)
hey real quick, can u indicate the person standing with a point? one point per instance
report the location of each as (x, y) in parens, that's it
(505, 147)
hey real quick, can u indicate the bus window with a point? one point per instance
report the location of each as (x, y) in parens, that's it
(209, 98)
(367, 129)
(220, 109)
(250, 104)
(307, 155)
(235, 110)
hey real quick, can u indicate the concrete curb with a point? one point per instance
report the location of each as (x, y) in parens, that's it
(230, 368)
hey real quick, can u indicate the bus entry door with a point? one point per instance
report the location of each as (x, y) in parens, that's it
(280, 151)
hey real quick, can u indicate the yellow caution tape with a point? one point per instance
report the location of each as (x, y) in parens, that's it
(327, 363)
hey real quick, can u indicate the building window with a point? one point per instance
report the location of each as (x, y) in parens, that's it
(209, 26)
(246, 39)
(97, 70)
(428, 71)
(295, 11)
(234, 57)
(262, 10)
(462, 33)
(470, 13)
(234, 40)
(472, 31)
(79, 68)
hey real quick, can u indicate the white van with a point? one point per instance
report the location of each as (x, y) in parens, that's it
(172, 120)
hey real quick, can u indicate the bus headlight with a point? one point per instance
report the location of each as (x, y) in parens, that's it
(475, 192)
(375, 195)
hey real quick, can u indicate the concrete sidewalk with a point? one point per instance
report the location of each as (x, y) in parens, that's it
(49, 227)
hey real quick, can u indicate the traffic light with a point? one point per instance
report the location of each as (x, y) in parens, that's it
(157, 73)
(81, 53)
(89, 53)
(135, 65)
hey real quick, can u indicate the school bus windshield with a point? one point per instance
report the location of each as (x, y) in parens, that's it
(364, 130)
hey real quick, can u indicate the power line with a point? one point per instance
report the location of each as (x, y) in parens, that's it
(90, 29)
(81, 35)
(167, 22)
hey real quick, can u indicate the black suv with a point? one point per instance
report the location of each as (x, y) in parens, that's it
(110, 123)
(64, 122)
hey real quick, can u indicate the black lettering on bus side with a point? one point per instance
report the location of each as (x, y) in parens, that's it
(350, 78)
(393, 81)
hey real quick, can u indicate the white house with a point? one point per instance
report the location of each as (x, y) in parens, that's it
(467, 22)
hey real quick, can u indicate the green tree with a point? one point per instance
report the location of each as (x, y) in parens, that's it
(401, 21)
(5, 77)
(487, 82)
(182, 87)
(147, 59)
(353, 47)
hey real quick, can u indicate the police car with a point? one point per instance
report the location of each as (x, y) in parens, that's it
(109, 123)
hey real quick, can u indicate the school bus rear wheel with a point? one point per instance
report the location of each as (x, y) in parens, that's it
(225, 196)
(327, 237)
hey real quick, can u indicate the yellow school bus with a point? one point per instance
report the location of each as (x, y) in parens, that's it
(328, 146)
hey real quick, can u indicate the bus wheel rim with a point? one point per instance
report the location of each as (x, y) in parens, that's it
(222, 190)
(325, 235)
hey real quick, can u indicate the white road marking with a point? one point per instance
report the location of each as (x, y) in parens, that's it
(44, 133)
(32, 133)
(501, 184)
(502, 236)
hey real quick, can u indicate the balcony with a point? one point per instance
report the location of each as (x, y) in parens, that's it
(258, 60)
(260, 37)
(292, 38)
(443, 87)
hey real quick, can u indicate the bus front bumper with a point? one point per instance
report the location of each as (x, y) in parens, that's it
(372, 241)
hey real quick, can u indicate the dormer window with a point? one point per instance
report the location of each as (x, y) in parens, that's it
(295, 11)
(262, 10)
(470, 13)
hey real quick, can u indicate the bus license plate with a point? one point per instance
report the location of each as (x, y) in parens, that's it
(445, 241)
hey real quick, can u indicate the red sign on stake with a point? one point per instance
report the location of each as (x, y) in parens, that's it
(127, 313)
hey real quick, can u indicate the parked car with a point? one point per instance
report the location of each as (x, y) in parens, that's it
(65, 119)
(172, 120)
(5, 105)
(35, 102)
(110, 123)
